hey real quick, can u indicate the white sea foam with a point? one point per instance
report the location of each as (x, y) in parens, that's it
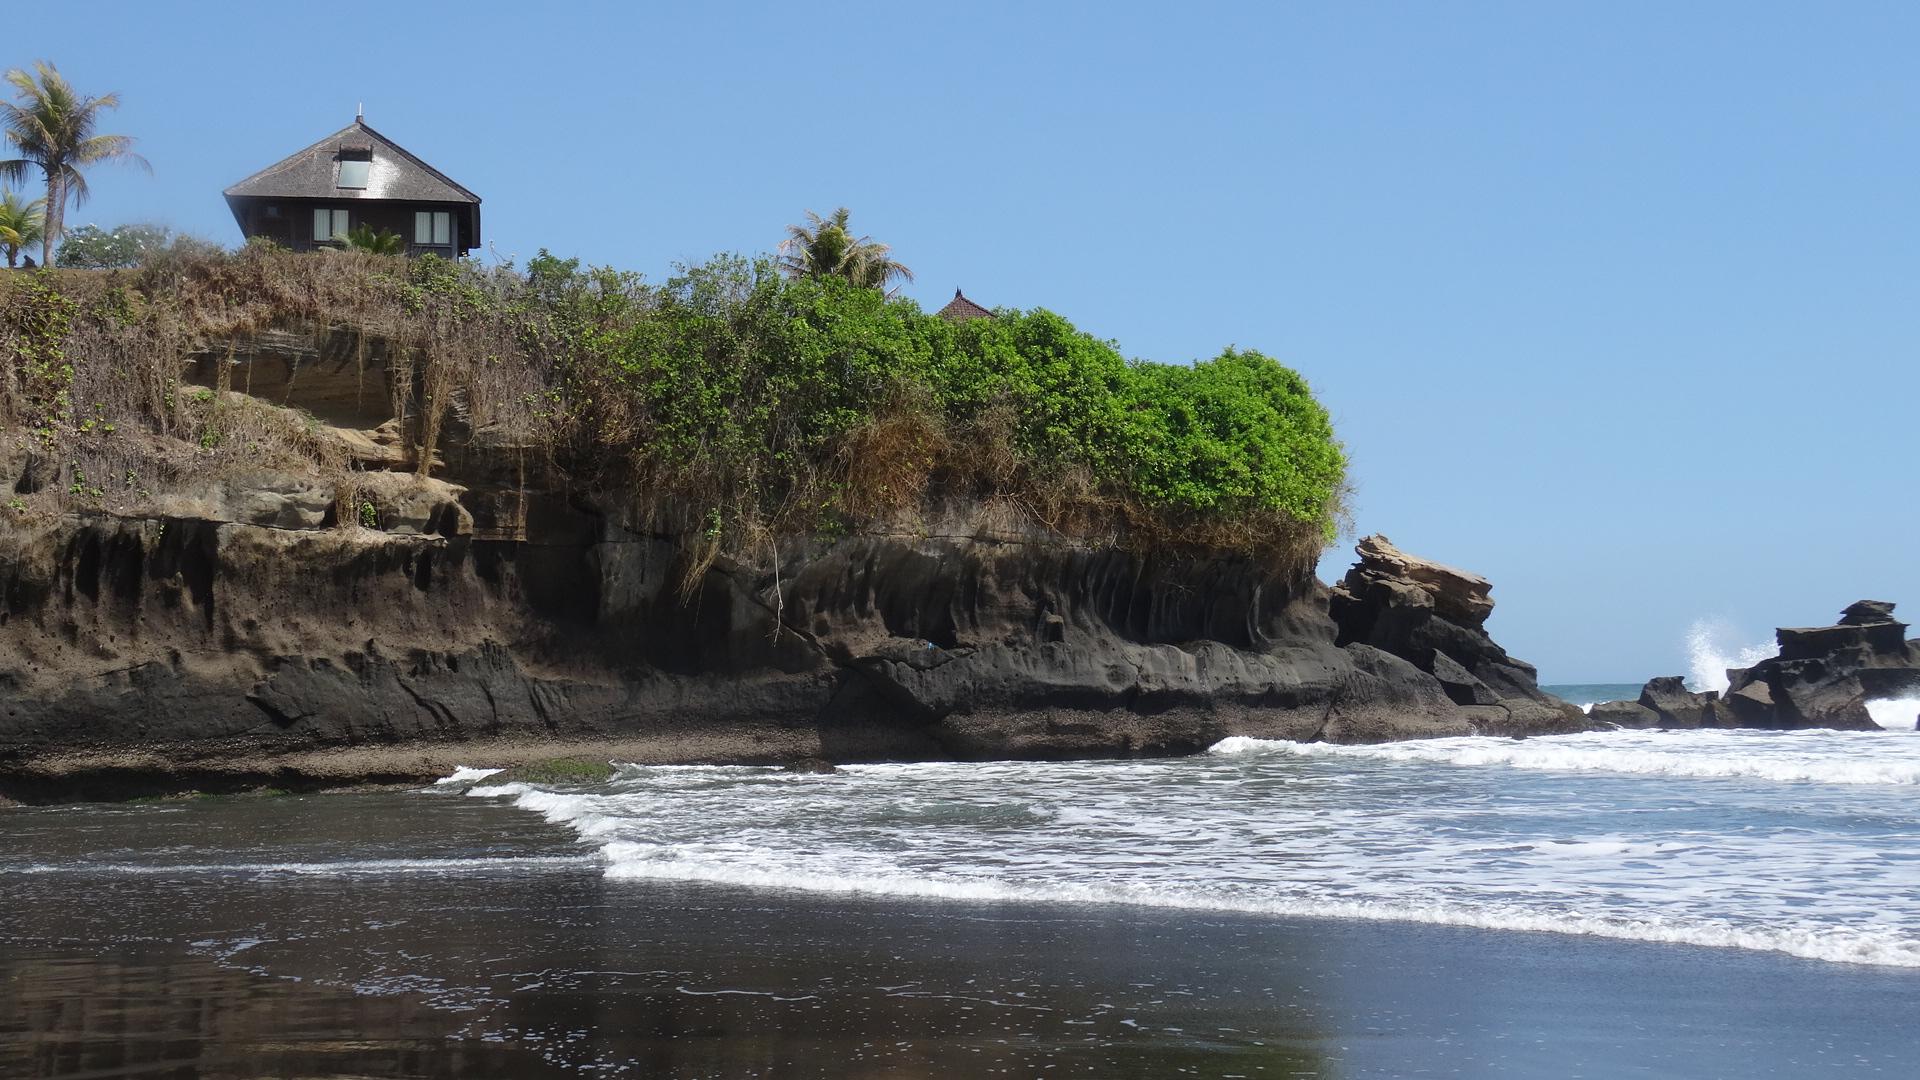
(1668, 851)
(1836, 944)
(1897, 714)
(465, 774)
(1783, 757)
(1709, 656)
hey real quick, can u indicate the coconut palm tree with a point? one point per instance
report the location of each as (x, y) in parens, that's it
(827, 248)
(362, 237)
(21, 225)
(52, 127)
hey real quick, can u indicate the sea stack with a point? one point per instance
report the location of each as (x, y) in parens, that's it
(1823, 677)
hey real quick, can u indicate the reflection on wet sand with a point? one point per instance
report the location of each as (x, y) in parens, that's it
(458, 938)
(148, 1010)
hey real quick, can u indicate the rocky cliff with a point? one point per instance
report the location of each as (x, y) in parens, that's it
(248, 635)
(281, 600)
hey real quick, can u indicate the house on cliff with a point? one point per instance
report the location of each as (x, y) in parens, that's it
(961, 309)
(356, 176)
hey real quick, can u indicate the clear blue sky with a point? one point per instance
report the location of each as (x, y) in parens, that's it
(1615, 303)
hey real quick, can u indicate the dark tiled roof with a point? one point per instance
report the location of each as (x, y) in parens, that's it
(310, 174)
(960, 309)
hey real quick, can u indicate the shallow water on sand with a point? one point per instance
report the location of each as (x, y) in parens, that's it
(1193, 917)
(1796, 842)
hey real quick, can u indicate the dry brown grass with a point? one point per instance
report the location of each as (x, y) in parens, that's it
(887, 464)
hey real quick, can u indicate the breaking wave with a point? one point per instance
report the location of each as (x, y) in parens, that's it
(465, 775)
(1785, 757)
(1709, 655)
(1899, 714)
(1403, 832)
(1833, 944)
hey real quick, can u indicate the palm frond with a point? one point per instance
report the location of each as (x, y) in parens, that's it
(109, 148)
(73, 187)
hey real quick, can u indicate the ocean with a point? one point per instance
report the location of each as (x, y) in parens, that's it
(1623, 904)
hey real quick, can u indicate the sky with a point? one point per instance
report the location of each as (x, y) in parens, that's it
(1616, 304)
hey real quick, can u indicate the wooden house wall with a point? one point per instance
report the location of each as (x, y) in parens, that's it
(294, 227)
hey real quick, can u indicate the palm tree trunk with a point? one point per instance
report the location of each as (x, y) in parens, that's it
(51, 233)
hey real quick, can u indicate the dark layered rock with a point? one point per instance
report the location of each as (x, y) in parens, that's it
(1867, 613)
(1825, 675)
(254, 644)
(1750, 705)
(1433, 616)
(1623, 714)
(1669, 699)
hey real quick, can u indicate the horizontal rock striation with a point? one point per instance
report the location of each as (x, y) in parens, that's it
(260, 639)
(1434, 617)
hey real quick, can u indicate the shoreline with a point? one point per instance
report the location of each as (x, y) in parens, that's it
(164, 771)
(120, 774)
(809, 984)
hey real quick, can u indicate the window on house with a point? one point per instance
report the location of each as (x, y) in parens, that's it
(355, 163)
(329, 225)
(433, 227)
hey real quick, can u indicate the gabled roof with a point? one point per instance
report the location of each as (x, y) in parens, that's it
(311, 173)
(960, 309)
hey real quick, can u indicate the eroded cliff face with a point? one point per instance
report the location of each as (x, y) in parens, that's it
(256, 644)
(257, 624)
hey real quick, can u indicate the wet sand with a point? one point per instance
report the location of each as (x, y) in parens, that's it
(132, 946)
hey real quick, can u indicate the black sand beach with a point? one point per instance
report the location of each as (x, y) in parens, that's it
(380, 949)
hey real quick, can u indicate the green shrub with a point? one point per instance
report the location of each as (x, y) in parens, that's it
(35, 324)
(1236, 433)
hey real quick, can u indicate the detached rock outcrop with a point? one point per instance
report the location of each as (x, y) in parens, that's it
(1433, 616)
(1674, 706)
(1823, 677)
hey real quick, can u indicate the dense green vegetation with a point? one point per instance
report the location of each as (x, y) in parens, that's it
(758, 379)
(732, 403)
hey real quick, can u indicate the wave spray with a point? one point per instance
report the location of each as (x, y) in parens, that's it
(1709, 655)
